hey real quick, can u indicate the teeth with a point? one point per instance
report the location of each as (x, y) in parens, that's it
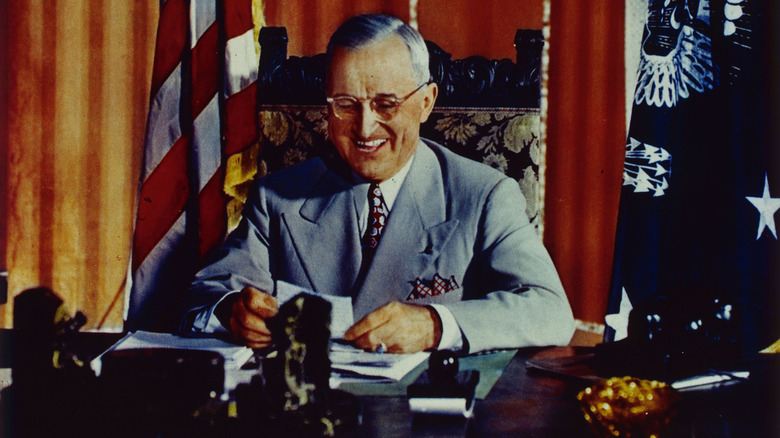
(370, 144)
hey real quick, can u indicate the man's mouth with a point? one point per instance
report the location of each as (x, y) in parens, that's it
(370, 145)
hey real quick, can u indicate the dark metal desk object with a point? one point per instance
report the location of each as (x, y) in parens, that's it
(529, 403)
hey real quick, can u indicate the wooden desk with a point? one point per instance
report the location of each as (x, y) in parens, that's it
(530, 403)
(520, 404)
(534, 404)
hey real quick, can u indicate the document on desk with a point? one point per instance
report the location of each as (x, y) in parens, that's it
(235, 355)
(350, 364)
(355, 365)
(341, 317)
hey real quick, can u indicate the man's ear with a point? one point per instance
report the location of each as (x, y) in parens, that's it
(429, 99)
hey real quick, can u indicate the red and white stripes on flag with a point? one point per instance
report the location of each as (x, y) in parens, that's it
(202, 110)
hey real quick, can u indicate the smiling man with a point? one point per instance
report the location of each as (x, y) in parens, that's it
(434, 249)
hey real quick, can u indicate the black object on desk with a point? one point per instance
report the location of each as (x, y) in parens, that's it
(161, 381)
(676, 336)
(55, 392)
(443, 389)
(293, 396)
(44, 331)
(49, 380)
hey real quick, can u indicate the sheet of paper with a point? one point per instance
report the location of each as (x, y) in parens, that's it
(341, 312)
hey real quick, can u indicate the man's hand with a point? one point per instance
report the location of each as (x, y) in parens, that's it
(402, 328)
(248, 315)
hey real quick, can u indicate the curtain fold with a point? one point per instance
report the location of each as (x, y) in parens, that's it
(310, 23)
(77, 80)
(585, 147)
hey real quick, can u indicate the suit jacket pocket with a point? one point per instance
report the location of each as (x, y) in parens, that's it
(437, 290)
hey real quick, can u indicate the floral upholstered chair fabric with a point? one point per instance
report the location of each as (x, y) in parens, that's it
(487, 110)
(505, 139)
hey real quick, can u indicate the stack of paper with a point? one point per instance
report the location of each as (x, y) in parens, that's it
(351, 364)
(348, 363)
(235, 355)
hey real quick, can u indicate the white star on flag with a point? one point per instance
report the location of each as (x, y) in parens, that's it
(619, 321)
(766, 206)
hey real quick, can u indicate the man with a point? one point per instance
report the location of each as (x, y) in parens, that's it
(448, 258)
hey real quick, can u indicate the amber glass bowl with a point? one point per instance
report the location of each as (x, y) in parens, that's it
(628, 407)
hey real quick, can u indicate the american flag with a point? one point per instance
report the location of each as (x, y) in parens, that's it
(202, 111)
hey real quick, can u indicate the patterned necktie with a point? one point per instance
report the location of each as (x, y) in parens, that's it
(376, 217)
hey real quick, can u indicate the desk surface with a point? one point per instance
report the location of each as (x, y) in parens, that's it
(520, 404)
(530, 403)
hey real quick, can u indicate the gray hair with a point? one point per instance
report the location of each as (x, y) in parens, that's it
(363, 30)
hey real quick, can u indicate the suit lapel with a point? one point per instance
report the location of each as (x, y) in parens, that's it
(326, 236)
(417, 229)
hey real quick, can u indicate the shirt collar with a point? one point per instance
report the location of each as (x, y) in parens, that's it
(390, 187)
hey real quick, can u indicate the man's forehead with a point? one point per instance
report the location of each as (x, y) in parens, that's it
(386, 57)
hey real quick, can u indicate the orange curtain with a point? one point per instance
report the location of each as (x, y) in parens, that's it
(77, 82)
(486, 28)
(310, 23)
(585, 147)
(463, 27)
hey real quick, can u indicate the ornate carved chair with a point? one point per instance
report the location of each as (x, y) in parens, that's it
(487, 110)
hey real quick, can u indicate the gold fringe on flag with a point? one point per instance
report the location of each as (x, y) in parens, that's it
(772, 349)
(242, 167)
(258, 18)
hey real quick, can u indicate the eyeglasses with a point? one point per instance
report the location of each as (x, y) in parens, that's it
(384, 105)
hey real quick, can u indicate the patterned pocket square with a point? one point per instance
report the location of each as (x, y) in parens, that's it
(431, 288)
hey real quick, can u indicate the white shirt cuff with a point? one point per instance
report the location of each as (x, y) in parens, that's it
(206, 321)
(451, 337)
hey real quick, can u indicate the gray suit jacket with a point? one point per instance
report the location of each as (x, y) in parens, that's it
(453, 219)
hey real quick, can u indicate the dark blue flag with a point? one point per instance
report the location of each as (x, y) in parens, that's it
(701, 186)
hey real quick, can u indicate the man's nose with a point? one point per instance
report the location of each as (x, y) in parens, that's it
(367, 121)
